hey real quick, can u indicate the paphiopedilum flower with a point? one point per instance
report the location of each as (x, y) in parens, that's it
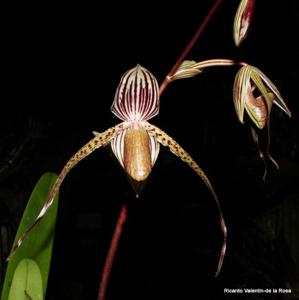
(135, 142)
(243, 20)
(247, 81)
(255, 93)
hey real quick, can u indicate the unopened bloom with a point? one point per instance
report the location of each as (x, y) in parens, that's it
(243, 20)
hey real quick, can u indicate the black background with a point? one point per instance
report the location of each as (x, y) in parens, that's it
(62, 64)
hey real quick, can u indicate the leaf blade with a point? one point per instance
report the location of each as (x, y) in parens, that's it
(39, 244)
(26, 282)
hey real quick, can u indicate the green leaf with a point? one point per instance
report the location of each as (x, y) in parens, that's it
(27, 282)
(38, 245)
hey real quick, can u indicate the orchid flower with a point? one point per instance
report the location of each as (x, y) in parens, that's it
(247, 81)
(135, 142)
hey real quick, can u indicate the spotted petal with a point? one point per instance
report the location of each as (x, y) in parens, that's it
(175, 148)
(137, 96)
(98, 141)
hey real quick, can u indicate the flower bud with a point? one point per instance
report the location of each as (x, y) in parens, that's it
(243, 20)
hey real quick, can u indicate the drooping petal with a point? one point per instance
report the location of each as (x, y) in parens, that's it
(175, 148)
(243, 20)
(258, 108)
(264, 154)
(278, 100)
(98, 141)
(137, 96)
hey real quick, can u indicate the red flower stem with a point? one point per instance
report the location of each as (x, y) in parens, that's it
(197, 34)
(111, 252)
